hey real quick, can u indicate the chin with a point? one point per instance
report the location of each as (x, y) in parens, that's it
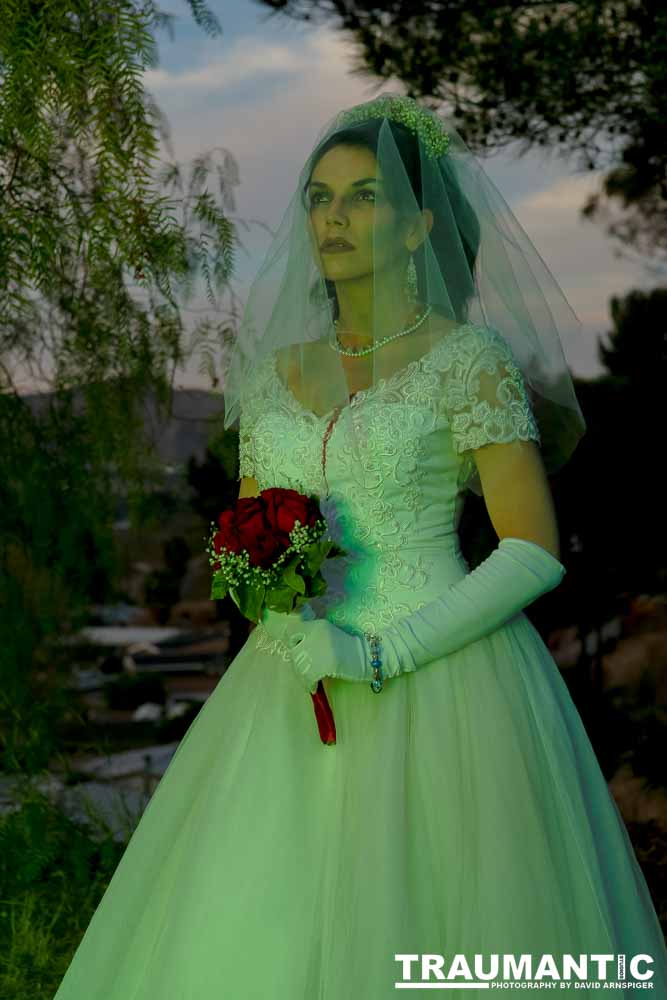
(342, 269)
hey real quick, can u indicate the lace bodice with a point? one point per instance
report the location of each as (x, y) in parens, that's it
(395, 512)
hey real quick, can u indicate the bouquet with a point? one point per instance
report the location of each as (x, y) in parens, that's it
(266, 553)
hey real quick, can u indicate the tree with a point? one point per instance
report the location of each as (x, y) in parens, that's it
(80, 214)
(588, 78)
(78, 209)
(637, 346)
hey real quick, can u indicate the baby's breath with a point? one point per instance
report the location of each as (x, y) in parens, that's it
(235, 568)
(408, 112)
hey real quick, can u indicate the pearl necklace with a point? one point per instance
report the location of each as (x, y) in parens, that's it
(336, 345)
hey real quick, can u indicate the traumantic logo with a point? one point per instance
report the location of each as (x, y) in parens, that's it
(545, 972)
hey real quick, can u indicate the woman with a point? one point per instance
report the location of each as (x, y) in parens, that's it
(400, 346)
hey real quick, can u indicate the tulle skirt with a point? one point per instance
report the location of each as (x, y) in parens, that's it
(462, 811)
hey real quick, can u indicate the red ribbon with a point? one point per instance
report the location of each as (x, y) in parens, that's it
(324, 715)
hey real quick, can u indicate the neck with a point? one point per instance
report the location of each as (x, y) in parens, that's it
(362, 312)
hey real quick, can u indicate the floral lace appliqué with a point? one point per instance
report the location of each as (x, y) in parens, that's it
(468, 384)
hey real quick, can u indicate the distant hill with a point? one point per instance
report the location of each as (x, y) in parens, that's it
(196, 415)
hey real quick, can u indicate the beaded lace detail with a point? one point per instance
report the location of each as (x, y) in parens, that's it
(467, 388)
(268, 644)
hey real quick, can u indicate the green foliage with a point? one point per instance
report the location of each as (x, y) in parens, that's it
(153, 508)
(650, 738)
(84, 218)
(56, 549)
(637, 346)
(33, 702)
(53, 873)
(81, 208)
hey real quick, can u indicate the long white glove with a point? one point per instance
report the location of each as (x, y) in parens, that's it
(511, 578)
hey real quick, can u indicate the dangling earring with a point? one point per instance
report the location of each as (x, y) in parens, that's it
(411, 281)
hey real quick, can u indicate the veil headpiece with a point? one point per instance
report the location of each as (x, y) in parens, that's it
(440, 283)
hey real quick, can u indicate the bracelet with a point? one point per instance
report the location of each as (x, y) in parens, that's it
(376, 662)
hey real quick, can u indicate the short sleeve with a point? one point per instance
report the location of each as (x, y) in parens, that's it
(485, 397)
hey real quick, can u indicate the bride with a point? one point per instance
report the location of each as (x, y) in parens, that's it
(400, 347)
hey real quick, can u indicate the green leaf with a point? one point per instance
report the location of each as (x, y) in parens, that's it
(335, 550)
(280, 599)
(249, 599)
(315, 555)
(292, 577)
(254, 605)
(318, 585)
(219, 590)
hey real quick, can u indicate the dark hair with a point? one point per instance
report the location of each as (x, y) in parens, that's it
(366, 136)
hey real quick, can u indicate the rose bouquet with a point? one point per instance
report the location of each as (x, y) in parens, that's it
(266, 553)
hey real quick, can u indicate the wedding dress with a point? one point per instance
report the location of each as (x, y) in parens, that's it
(462, 809)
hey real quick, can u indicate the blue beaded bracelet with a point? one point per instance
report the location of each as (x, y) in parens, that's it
(376, 662)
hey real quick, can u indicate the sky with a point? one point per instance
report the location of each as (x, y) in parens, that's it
(264, 89)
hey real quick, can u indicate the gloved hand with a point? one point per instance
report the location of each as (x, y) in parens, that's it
(319, 649)
(514, 575)
(275, 622)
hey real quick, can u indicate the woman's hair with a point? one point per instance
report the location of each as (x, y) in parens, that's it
(365, 135)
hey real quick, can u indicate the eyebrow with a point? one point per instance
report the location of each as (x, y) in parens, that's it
(364, 180)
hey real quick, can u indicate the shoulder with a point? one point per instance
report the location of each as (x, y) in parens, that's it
(255, 388)
(258, 371)
(464, 348)
(443, 329)
(481, 348)
(476, 337)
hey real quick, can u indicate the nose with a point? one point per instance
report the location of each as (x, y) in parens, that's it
(335, 212)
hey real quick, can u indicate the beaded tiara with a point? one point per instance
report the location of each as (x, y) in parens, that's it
(409, 113)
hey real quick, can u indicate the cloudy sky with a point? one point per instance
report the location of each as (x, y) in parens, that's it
(264, 89)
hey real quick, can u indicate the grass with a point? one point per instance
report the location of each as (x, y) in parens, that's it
(53, 873)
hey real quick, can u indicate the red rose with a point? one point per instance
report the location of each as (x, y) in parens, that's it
(256, 533)
(261, 526)
(228, 536)
(285, 507)
(244, 526)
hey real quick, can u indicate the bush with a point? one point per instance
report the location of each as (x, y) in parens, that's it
(53, 874)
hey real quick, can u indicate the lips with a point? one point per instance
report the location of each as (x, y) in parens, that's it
(336, 245)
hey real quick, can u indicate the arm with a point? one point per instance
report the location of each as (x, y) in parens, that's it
(517, 493)
(524, 566)
(249, 487)
(491, 419)
(512, 577)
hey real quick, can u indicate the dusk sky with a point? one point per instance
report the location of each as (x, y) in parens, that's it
(265, 88)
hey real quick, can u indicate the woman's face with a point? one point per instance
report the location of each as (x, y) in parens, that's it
(346, 198)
